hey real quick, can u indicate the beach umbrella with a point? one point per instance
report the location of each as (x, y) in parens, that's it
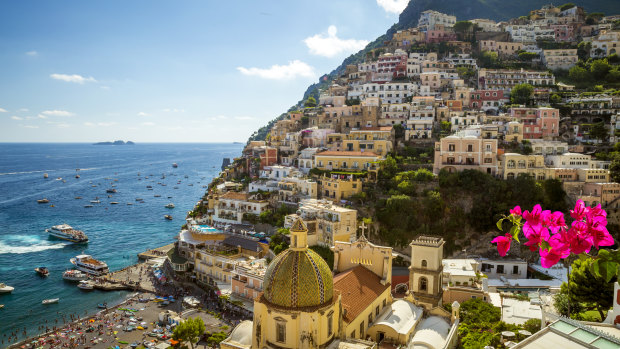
(525, 333)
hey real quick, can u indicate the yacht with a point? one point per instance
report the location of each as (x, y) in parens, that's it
(74, 275)
(43, 201)
(88, 264)
(170, 205)
(4, 288)
(85, 285)
(42, 271)
(66, 232)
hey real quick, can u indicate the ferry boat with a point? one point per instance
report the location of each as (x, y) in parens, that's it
(42, 271)
(66, 232)
(4, 288)
(78, 197)
(88, 264)
(74, 275)
(43, 201)
(85, 285)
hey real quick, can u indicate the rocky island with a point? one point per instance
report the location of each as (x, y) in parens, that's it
(115, 143)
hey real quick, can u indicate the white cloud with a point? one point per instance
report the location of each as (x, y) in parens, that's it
(63, 125)
(292, 70)
(244, 118)
(102, 124)
(56, 113)
(148, 124)
(29, 126)
(143, 114)
(393, 6)
(41, 116)
(16, 118)
(22, 110)
(73, 78)
(331, 45)
(2, 110)
(32, 53)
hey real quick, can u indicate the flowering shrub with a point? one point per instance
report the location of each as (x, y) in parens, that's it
(548, 233)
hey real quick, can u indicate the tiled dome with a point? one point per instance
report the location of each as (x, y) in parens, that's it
(298, 278)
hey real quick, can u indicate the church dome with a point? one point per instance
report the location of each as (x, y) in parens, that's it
(298, 278)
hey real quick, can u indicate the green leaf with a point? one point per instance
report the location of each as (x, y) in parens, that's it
(514, 231)
(605, 269)
(499, 224)
(583, 256)
(545, 245)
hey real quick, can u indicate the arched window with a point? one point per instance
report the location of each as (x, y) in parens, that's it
(423, 284)
(424, 263)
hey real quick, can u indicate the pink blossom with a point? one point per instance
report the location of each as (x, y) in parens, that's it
(536, 217)
(555, 221)
(578, 238)
(503, 244)
(516, 211)
(549, 258)
(579, 211)
(535, 235)
(599, 235)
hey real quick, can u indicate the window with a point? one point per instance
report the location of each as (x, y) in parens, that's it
(451, 147)
(515, 269)
(500, 268)
(424, 263)
(369, 318)
(329, 324)
(423, 284)
(384, 303)
(470, 147)
(377, 311)
(362, 330)
(280, 332)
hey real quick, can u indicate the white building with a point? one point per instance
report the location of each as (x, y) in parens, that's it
(430, 19)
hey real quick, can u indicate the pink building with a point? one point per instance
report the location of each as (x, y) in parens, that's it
(247, 279)
(440, 35)
(464, 151)
(563, 32)
(538, 123)
(315, 137)
(396, 64)
(486, 99)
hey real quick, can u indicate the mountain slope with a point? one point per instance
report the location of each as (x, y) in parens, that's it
(498, 10)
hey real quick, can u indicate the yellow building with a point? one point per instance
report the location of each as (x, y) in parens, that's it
(304, 306)
(327, 222)
(336, 187)
(344, 160)
(512, 165)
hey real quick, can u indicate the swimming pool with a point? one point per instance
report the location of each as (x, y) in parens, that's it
(206, 229)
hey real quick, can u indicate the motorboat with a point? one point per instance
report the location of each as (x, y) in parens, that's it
(59, 179)
(88, 264)
(77, 176)
(102, 305)
(86, 285)
(95, 201)
(175, 165)
(130, 203)
(88, 206)
(113, 203)
(168, 217)
(43, 201)
(157, 196)
(149, 187)
(74, 275)
(170, 205)
(139, 199)
(45, 175)
(112, 191)
(50, 301)
(4, 288)
(66, 232)
(1, 306)
(42, 271)
(186, 176)
(78, 197)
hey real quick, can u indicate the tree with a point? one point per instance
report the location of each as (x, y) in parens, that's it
(532, 325)
(583, 50)
(446, 126)
(488, 59)
(579, 75)
(189, 330)
(599, 68)
(399, 132)
(555, 99)
(310, 102)
(216, 337)
(463, 29)
(567, 6)
(588, 289)
(563, 305)
(614, 168)
(527, 56)
(598, 131)
(521, 93)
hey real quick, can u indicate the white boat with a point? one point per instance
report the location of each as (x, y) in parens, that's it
(95, 201)
(50, 301)
(4, 288)
(66, 232)
(170, 205)
(85, 285)
(45, 175)
(88, 264)
(74, 275)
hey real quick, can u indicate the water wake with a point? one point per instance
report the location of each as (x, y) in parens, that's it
(29, 244)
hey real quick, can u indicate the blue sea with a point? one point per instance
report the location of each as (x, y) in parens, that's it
(117, 232)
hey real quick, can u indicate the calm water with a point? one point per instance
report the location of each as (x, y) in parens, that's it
(117, 232)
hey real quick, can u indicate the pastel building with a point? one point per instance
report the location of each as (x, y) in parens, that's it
(461, 151)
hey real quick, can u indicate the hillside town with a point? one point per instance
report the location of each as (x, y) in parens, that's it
(335, 230)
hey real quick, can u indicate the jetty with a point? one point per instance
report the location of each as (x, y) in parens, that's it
(158, 252)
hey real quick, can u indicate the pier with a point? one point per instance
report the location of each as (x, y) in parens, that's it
(155, 253)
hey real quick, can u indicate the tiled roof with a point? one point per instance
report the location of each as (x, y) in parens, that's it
(359, 287)
(231, 195)
(346, 153)
(244, 242)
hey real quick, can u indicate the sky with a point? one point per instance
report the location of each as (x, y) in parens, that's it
(169, 71)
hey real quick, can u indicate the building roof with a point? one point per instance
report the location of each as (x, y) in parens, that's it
(431, 333)
(462, 267)
(231, 195)
(298, 279)
(518, 312)
(241, 336)
(358, 287)
(401, 316)
(246, 243)
(347, 153)
(569, 334)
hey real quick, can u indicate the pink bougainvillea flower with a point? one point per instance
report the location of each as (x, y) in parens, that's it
(516, 211)
(536, 217)
(549, 258)
(597, 212)
(580, 210)
(555, 221)
(578, 238)
(503, 244)
(599, 236)
(535, 235)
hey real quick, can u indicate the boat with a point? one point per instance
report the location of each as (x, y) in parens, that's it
(113, 203)
(64, 181)
(77, 176)
(85, 285)
(78, 197)
(50, 301)
(109, 196)
(95, 201)
(88, 264)
(157, 196)
(130, 203)
(139, 199)
(170, 205)
(186, 176)
(43, 201)
(42, 271)
(59, 179)
(169, 197)
(66, 232)
(4, 288)
(88, 206)
(111, 191)
(149, 186)
(102, 305)
(45, 175)
(175, 165)
(74, 275)
(190, 185)
(175, 188)
(168, 217)
(1, 306)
